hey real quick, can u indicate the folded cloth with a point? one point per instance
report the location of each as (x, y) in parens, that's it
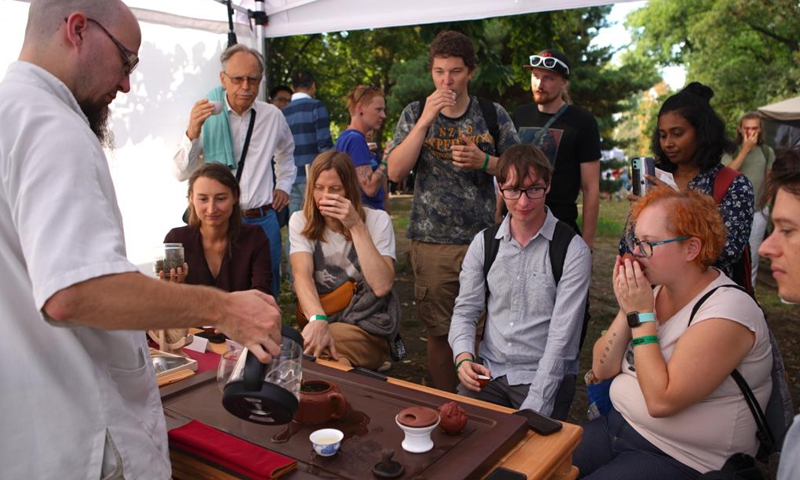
(230, 452)
(217, 139)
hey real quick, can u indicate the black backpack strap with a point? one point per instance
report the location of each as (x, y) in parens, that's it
(421, 101)
(491, 246)
(562, 237)
(490, 116)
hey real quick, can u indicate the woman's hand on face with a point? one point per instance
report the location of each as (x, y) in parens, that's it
(631, 287)
(340, 208)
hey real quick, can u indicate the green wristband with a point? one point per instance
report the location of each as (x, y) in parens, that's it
(485, 163)
(318, 317)
(385, 164)
(644, 340)
(458, 365)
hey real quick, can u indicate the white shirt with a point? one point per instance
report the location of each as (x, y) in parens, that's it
(64, 388)
(271, 137)
(335, 259)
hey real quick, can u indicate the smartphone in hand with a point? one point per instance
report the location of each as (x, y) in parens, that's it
(641, 166)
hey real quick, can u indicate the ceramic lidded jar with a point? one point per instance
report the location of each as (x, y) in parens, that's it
(320, 401)
(453, 418)
(417, 423)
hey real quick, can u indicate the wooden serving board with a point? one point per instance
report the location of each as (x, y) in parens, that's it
(369, 427)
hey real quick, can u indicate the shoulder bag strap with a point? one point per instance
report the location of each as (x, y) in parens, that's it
(240, 167)
(764, 434)
(537, 138)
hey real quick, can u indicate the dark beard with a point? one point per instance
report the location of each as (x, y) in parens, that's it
(98, 121)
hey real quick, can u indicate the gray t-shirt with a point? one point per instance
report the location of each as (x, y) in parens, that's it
(755, 167)
(451, 204)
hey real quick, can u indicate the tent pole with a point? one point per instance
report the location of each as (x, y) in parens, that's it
(261, 25)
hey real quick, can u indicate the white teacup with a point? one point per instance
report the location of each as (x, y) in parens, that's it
(217, 106)
(326, 441)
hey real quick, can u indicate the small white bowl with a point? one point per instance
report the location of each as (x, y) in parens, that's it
(326, 441)
(217, 106)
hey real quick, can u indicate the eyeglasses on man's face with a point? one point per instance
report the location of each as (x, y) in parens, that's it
(130, 59)
(533, 193)
(547, 62)
(644, 248)
(238, 80)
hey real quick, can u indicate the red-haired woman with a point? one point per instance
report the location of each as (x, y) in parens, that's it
(677, 412)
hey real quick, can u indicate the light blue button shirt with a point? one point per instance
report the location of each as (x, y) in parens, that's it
(533, 327)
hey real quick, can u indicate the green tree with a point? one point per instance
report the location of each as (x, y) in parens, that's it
(747, 52)
(396, 60)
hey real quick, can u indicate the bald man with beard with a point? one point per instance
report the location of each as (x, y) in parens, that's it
(79, 392)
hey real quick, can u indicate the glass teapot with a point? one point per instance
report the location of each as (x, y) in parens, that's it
(267, 393)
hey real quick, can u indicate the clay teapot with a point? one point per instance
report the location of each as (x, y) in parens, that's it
(320, 401)
(452, 417)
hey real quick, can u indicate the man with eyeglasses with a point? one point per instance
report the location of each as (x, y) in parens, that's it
(280, 96)
(451, 140)
(533, 317)
(267, 162)
(570, 138)
(80, 398)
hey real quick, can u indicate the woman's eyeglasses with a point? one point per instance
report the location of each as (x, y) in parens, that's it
(644, 248)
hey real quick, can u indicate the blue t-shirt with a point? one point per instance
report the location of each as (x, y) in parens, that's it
(354, 143)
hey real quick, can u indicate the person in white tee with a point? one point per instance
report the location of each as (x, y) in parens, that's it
(335, 240)
(677, 412)
(79, 391)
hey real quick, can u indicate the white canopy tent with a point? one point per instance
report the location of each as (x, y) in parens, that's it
(782, 124)
(182, 40)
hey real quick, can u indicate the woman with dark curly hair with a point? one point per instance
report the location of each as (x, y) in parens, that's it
(689, 143)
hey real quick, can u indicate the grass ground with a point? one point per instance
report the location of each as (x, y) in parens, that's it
(782, 318)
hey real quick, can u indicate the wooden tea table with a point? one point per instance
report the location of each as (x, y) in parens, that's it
(538, 457)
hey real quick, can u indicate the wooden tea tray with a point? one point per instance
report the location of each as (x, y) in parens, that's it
(369, 427)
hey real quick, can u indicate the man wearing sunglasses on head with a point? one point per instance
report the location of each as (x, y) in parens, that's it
(570, 138)
(224, 135)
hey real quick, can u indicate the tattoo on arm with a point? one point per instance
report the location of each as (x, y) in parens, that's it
(364, 173)
(608, 348)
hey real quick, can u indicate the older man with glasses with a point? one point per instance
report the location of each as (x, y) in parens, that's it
(533, 292)
(220, 130)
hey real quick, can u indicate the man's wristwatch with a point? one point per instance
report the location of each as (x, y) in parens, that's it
(635, 319)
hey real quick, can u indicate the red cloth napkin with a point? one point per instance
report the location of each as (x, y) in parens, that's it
(230, 452)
